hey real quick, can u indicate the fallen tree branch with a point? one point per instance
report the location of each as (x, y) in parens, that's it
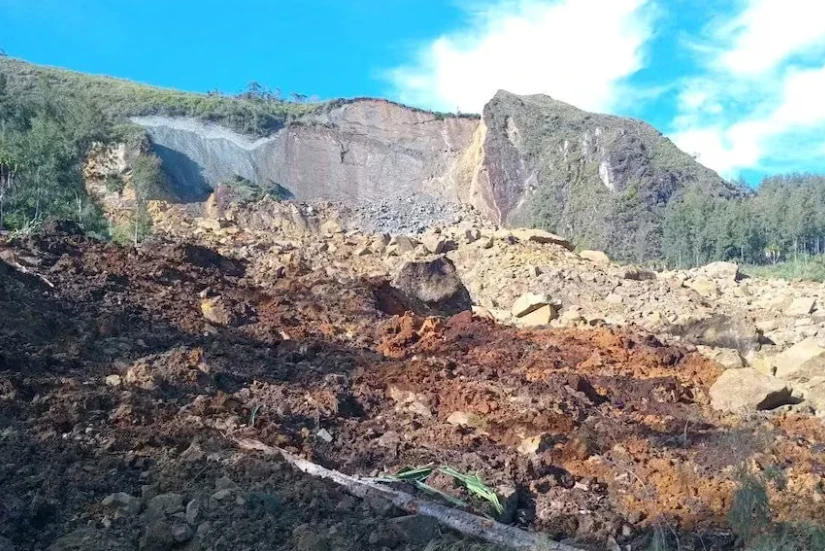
(460, 521)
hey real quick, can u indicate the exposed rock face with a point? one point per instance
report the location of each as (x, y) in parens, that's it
(548, 163)
(530, 161)
(362, 150)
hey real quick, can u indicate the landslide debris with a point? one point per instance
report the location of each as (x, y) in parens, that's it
(119, 400)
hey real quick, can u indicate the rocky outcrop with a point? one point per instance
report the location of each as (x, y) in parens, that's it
(365, 150)
(529, 161)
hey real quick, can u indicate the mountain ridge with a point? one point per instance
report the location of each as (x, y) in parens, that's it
(603, 180)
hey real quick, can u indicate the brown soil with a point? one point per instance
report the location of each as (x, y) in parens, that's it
(623, 440)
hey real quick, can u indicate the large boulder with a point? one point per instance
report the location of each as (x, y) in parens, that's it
(802, 361)
(801, 306)
(706, 287)
(722, 270)
(527, 303)
(539, 317)
(432, 287)
(720, 331)
(741, 390)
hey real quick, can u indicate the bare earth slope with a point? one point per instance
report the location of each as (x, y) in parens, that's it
(132, 371)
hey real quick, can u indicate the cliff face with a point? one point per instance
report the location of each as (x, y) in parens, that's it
(602, 180)
(360, 151)
(529, 161)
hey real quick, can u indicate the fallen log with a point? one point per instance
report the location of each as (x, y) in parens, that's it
(455, 519)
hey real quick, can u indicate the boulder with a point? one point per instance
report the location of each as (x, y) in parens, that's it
(813, 392)
(538, 317)
(432, 287)
(541, 236)
(726, 357)
(595, 256)
(740, 390)
(705, 287)
(122, 504)
(720, 331)
(801, 306)
(467, 419)
(403, 244)
(803, 360)
(437, 243)
(722, 270)
(528, 302)
(216, 312)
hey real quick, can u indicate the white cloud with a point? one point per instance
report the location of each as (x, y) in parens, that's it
(767, 32)
(577, 51)
(760, 97)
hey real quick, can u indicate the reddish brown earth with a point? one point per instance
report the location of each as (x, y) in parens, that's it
(624, 442)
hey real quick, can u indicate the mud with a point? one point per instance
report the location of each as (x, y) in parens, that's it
(119, 379)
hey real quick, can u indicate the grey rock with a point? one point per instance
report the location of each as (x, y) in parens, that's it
(123, 503)
(164, 505)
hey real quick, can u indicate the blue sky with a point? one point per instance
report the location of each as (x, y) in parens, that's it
(738, 83)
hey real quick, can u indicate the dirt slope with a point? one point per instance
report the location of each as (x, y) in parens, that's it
(135, 370)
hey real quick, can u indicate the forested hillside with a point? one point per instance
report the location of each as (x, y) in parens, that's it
(783, 220)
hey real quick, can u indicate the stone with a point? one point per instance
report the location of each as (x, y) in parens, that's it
(6, 545)
(722, 270)
(216, 312)
(472, 235)
(324, 435)
(705, 287)
(416, 530)
(535, 444)
(123, 504)
(801, 306)
(436, 243)
(571, 318)
(221, 495)
(164, 505)
(726, 357)
(740, 390)
(182, 532)
(539, 317)
(528, 302)
(614, 298)
(468, 419)
(403, 244)
(597, 257)
(193, 509)
(635, 273)
(157, 536)
(813, 392)
(389, 439)
(542, 237)
(720, 331)
(803, 360)
(114, 380)
(432, 287)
